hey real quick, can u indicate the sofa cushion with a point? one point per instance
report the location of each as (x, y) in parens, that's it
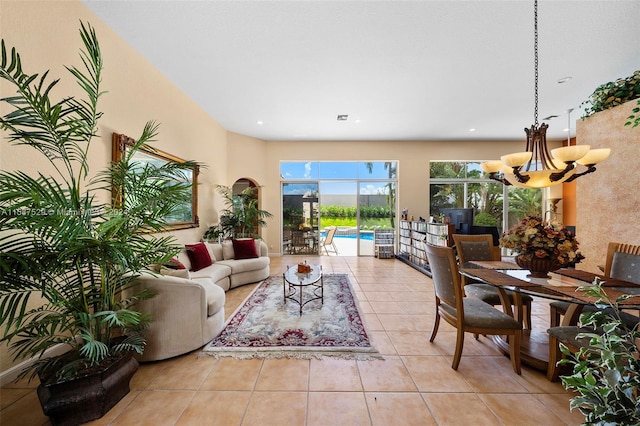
(215, 250)
(180, 273)
(244, 248)
(174, 263)
(227, 250)
(199, 256)
(245, 265)
(216, 272)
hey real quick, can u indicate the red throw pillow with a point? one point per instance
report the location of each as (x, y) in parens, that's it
(244, 249)
(174, 263)
(199, 256)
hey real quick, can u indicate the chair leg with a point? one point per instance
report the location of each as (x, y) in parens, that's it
(436, 324)
(459, 345)
(527, 316)
(514, 351)
(554, 317)
(554, 356)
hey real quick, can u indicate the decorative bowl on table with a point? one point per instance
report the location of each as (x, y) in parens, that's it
(538, 268)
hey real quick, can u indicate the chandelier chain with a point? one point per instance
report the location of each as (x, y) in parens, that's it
(535, 55)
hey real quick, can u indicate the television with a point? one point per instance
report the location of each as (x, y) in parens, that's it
(461, 218)
(491, 230)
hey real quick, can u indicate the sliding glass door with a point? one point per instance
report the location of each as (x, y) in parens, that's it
(339, 208)
(376, 210)
(300, 218)
(354, 197)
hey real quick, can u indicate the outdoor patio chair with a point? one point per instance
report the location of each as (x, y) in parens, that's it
(467, 314)
(328, 241)
(299, 242)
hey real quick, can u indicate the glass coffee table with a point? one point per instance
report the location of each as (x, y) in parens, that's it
(303, 287)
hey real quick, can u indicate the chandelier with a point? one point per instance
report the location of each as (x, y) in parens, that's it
(536, 167)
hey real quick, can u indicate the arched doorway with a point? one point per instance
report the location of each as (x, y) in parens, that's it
(246, 194)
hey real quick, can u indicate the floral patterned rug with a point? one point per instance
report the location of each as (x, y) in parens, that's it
(265, 327)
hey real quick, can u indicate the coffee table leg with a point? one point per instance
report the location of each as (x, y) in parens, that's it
(284, 289)
(300, 300)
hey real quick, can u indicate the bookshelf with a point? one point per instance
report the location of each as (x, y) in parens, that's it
(384, 243)
(414, 235)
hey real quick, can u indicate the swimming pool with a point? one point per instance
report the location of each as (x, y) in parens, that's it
(364, 235)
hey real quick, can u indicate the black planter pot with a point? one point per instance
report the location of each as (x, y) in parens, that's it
(89, 397)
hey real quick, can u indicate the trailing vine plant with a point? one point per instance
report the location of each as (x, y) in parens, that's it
(614, 93)
(606, 374)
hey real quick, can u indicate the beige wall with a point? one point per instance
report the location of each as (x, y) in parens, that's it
(46, 34)
(608, 200)
(413, 170)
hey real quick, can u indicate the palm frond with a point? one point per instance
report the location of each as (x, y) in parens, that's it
(57, 241)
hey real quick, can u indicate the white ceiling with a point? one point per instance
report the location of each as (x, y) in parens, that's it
(407, 70)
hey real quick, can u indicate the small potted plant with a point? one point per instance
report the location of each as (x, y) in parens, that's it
(606, 373)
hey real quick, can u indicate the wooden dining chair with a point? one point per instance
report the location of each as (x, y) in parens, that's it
(480, 247)
(611, 270)
(467, 314)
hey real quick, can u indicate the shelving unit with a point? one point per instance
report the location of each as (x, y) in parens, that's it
(414, 235)
(439, 234)
(384, 243)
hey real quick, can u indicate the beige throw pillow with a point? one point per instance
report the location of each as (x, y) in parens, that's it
(180, 273)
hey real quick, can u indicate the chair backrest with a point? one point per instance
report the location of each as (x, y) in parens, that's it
(476, 247)
(297, 239)
(444, 273)
(622, 248)
(330, 233)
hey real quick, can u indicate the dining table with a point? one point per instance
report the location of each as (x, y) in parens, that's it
(561, 284)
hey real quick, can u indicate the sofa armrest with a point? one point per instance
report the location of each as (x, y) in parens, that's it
(264, 249)
(178, 312)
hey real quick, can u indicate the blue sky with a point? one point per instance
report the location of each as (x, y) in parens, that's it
(332, 170)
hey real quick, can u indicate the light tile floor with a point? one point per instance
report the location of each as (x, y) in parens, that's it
(413, 385)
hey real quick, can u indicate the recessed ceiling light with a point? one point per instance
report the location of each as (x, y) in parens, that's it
(472, 130)
(343, 117)
(357, 121)
(259, 122)
(564, 79)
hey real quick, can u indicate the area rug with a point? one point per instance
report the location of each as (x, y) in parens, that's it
(266, 327)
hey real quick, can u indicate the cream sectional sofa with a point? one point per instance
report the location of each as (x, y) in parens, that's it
(188, 309)
(228, 272)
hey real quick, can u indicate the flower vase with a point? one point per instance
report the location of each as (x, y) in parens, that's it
(538, 268)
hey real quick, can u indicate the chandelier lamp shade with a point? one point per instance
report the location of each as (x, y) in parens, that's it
(536, 166)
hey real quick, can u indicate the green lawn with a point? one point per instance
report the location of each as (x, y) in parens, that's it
(368, 223)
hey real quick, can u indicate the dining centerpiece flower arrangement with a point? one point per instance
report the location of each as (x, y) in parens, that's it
(542, 246)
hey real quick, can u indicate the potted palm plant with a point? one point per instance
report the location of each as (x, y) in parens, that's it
(64, 241)
(241, 216)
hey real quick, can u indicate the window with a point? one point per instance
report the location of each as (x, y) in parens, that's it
(462, 184)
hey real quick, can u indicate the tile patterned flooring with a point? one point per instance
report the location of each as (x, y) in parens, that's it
(413, 385)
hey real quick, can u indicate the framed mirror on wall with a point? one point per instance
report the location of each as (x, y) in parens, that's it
(186, 214)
